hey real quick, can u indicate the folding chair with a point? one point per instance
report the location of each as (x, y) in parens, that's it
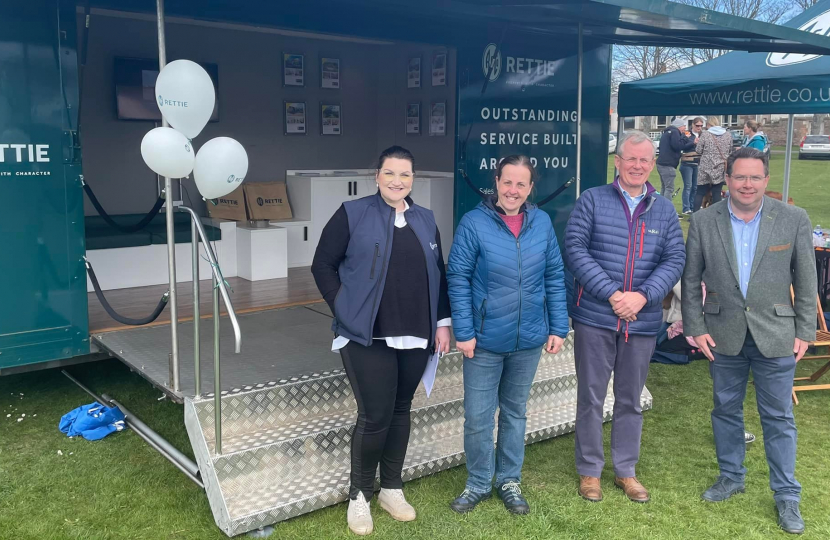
(822, 340)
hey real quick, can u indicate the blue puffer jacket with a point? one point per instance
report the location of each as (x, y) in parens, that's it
(609, 250)
(507, 292)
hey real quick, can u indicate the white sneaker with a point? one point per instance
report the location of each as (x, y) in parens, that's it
(359, 516)
(393, 501)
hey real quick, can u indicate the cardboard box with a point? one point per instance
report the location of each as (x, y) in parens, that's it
(267, 200)
(231, 206)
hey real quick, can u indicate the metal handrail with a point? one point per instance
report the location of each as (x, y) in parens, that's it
(214, 266)
(218, 285)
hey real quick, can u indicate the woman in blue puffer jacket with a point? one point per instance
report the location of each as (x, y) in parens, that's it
(507, 292)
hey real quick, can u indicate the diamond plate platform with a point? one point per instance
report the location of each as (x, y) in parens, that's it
(286, 443)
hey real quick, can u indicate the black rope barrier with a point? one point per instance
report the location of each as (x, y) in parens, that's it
(556, 193)
(123, 228)
(112, 313)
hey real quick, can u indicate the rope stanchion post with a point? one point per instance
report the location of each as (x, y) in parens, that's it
(217, 385)
(194, 241)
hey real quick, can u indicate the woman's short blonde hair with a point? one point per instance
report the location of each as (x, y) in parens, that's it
(713, 121)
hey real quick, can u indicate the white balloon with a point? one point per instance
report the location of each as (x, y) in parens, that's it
(167, 152)
(185, 96)
(221, 166)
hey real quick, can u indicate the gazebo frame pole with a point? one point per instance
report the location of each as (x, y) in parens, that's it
(788, 157)
(579, 59)
(171, 240)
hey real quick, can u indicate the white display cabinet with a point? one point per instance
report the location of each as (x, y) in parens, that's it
(315, 195)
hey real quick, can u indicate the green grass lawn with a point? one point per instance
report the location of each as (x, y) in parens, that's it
(120, 488)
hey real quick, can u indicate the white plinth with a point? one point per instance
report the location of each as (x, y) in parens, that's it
(261, 253)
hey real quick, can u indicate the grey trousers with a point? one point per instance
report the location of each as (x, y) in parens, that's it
(598, 352)
(667, 176)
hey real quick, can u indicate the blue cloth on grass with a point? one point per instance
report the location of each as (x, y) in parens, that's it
(92, 422)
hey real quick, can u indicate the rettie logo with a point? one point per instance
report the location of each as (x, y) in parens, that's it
(817, 25)
(491, 62)
(19, 153)
(262, 202)
(491, 65)
(171, 102)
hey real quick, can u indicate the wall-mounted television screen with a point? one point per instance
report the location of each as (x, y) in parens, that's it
(135, 83)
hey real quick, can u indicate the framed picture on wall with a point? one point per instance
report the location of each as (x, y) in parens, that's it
(439, 69)
(330, 73)
(331, 119)
(413, 118)
(295, 117)
(438, 118)
(293, 69)
(413, 73)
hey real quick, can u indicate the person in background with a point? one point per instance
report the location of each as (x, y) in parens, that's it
(689, 163)
(380, 268)
(755, 256)
(506, 288)
(617, 310)
(714, 146)
(753, 137)
(673, 142)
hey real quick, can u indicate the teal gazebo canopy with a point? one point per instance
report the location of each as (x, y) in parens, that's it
(741, 82)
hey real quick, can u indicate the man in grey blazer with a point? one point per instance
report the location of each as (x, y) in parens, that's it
(748, 250)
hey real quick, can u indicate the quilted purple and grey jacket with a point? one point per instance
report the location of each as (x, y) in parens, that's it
(609, 250)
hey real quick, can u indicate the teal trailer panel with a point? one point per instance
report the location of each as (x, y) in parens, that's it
(43, 281)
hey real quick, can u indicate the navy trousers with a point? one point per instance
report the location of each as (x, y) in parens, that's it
(773, 385)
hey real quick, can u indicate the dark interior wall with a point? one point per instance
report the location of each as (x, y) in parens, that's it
(431, 152)
(251, 95)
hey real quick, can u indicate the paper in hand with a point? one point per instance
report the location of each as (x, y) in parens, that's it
(428, 378)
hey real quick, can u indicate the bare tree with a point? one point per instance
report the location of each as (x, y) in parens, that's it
(804, 4)
(635, 63)
(770, 11)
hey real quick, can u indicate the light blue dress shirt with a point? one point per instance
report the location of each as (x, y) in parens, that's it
(633, 201)
(745, 239)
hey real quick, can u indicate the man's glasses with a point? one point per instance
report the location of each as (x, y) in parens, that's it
(740, 178)
(641, 161)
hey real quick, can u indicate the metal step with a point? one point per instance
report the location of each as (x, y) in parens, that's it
(286, 444)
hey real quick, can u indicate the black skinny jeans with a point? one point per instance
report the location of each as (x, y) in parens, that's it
(383, 381)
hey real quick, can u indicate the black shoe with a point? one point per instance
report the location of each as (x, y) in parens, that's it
(468, 500)
(511, 495)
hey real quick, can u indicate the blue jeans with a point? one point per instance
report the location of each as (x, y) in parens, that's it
(496, 380)
(773, 384)
(688, 171)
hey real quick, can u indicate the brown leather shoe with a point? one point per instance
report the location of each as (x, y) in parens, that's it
(634, 490)
(589, 488)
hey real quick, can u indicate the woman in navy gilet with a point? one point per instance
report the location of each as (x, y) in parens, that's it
(380, 268)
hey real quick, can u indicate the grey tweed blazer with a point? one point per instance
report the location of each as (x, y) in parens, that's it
(784, 256)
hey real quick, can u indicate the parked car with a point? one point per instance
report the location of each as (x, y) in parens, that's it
(813, 146)
(738, 138)
(612, 143)
(655, 140)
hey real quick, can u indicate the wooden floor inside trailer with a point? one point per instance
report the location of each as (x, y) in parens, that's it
(247, 296)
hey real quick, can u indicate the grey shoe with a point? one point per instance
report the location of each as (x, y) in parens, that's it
(723, 489)
(789, 517)
(748, 437)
